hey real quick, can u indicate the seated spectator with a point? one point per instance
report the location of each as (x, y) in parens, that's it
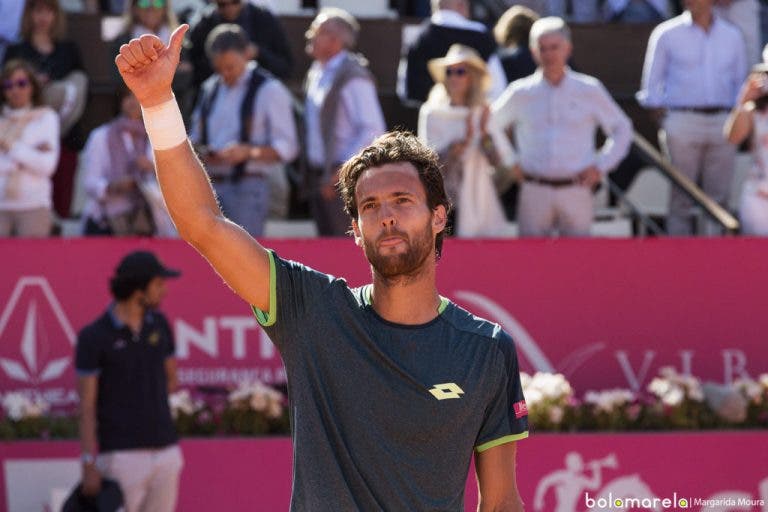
(156, 17)
(555, 113)
(60, 71)
(342, 114)
(10, 22)
(263, 29)
(749, 119)
(120, 178)
(449, 24)
(512, 32)
(29, 150)
(454, 122)
(581, 11)
(244, 153)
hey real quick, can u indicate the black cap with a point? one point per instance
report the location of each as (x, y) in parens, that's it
(143, 264)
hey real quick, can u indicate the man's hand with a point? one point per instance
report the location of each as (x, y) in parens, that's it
(589, 177)
(235, 154)
(91, 480)
(145, 164)
(147, 66)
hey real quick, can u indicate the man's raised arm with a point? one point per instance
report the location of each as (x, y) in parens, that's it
(147, 67)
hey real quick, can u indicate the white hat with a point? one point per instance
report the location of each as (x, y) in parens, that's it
(459, 54)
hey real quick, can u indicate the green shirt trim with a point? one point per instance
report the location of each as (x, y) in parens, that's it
(500, 441)
(268, 319)
(369, 301)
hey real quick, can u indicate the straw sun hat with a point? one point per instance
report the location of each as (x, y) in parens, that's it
(459, 54)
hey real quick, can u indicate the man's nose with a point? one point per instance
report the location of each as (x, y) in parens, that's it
(387, 215)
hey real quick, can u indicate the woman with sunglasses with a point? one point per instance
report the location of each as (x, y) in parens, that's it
(59, 70)
(29, 151)
(155, 17)
(455, 122)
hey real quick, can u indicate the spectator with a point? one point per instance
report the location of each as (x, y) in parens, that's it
(10, 22)
(694, 66)
(342, 113)
(512, 32)
(158, 18)
(636, 11)
(749, 118)
(126, 368)
(243, 153)
(120, 178)
(449, 24)
(60, 72)
(555, 113)
(454, 121)
(745, 14)
(271, 49)
(29, 150)
(581, 11)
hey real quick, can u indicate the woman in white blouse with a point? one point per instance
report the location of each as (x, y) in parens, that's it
(29, 152)
(454, 121)
(750, 118)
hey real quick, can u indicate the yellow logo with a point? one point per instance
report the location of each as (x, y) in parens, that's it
(154, 338)
(447, 390)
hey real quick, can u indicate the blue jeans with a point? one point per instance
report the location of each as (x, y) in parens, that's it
(246, 202)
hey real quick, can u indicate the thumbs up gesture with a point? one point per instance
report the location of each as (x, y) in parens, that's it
(147, 66)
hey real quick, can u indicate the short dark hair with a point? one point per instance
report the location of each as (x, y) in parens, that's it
(225, 38)
(14, 65)
(122, 287)
(394, 147)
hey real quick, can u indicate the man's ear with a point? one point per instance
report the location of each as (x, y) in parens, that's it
(358, 236)
(439, 218)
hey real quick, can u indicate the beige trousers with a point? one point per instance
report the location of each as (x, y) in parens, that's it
(149, 479)
(546, 211)
(34, 223)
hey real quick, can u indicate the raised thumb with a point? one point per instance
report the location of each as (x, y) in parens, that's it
(177, 39)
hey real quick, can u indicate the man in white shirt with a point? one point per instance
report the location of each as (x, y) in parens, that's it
(244, 127)
(694, 66)
(342, 113)
(448, 25)
(555, 113)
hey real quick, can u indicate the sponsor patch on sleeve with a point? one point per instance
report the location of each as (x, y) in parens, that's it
(520, 409)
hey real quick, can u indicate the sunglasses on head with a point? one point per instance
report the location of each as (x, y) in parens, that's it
(146, 4)
(21, 83)
(224, 3)
(455, 72)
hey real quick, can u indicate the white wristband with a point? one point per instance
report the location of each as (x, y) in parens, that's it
(164, 125)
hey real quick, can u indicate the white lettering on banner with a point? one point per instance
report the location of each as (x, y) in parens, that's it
(635, 380)
(734, 365)
(686, 362)
(229, 376)
(207, 340)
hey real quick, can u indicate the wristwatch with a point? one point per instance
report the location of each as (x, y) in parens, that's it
(87, 458)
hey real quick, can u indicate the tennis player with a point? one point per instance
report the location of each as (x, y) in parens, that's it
(393, 388)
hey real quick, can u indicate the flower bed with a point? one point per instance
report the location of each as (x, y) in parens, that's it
(671, 401)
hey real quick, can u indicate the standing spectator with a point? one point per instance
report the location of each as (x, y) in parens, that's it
(449, 24)
(60, 72)
(120, 176)
(126, 368)
(636, 11)
(243, 153)
(555, 113)
(745, 14)
(10, 22)
(342, 113)
(457, 106)
(29, 150)
(158, 18)
(512, 32)
(271, 49)
(749, 119)
(694, 66)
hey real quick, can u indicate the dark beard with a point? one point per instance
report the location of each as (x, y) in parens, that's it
(407, 264)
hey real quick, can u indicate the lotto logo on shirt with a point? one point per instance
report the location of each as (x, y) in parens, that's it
(520, 409)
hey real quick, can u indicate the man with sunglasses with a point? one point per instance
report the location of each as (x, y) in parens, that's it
(270, 43)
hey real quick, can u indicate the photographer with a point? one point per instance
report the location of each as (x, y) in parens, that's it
(750, 117)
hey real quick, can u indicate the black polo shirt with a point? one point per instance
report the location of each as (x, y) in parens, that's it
(132, 405)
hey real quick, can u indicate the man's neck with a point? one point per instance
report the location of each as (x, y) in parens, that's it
(131, 312)
(703, 18)
(554, 76)
(407, 300)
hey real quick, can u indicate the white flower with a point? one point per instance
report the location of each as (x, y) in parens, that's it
(533, 397)
(750, 389)
(763, 380)
(550, 385)
(181, 402)
(525, 380)
(674, 397)
(610, 399)
(659, 387)
(18, 406)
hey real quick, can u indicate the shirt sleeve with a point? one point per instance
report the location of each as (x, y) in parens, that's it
(617, 127)
(361, 104)
(37, 151)
(652, 85)
(96, 156)
(87, 354)
(278, 105)
(506, 417)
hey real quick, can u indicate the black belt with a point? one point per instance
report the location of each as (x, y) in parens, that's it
(551, 182)
(703, 110)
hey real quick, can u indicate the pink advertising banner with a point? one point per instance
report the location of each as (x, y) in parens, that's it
(606, 313)
(706, 472)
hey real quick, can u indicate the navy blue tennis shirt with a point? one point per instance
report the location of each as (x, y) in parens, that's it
(386, 416)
